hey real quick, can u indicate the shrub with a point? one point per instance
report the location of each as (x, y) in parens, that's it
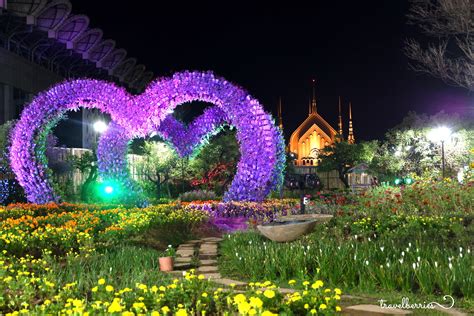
(198, 195)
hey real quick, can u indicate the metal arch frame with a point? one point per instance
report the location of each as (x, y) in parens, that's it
(115, 60)
(122, 75)
(72, 19)
(57, 21)
(135, 73)
(85, 34)
(31, 12)
(99, 49)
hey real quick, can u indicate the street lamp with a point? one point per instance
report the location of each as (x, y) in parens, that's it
(440, 134)
(100, 127)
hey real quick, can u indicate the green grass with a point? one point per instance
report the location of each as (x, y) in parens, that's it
(123, 266)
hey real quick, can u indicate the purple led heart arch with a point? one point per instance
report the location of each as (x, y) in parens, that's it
(261, 142)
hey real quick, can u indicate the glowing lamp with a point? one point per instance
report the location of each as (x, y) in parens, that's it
(109, 189)
(398, 181)
(100, 127)
(439, 134)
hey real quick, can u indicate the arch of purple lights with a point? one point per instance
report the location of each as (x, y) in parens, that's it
(261, 143)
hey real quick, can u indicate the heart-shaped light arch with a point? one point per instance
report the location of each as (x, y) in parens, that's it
(261, 142)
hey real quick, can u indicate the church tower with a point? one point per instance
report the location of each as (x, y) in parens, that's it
(341, 133)
(312, 136)
(280, 118)
(350, 137)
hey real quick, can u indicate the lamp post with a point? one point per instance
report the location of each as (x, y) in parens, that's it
(440, 134)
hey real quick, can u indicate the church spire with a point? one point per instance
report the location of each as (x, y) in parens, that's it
(313, 107)
(341, 135)
(280, 118)
(350, 137)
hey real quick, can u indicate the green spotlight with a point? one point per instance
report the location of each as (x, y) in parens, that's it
(398, 181)
(109, 189)
(408, 181)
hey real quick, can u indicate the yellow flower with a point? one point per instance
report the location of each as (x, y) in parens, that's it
(109, 288)
(154, 289)
(201, 277)
(239, 298)
(204, 294)
(115, 306)
(256, 302)
(269, 293)
(291, 282)
(165, 309)
(101, 281)
(162, 288)
(155, 313)
(317, 284)
(338, 308)
(126, 313)
(243, 307)
(305, 283)
(337, 291)
(268, 313)
(337, 297)
(313, 311)
(323, 306)
(181, 312)
(252, 312)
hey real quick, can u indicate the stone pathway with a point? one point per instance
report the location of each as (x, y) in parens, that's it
(201, 254)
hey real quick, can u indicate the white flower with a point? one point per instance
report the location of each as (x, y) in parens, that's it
(367, 262)
(403, 253)
(418, 258)
(409, 244)
(449, 259)
(436, 264)
(382, 248)
(450, 266)
(460, 249)
(401, 260)
(414, 266)
(169, 246)
(355, 257)
(369, 239)
(388, 264)
(468, 250)
(381, 266)
(355, 236)
(408, 249)
(236, 254)
(460, 255)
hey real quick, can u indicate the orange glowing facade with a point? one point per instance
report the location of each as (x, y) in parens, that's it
(314, 134)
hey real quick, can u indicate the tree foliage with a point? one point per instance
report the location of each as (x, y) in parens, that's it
(408, 151)
(449, 24)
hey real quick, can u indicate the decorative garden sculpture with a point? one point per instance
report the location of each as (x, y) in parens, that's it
(261, 143)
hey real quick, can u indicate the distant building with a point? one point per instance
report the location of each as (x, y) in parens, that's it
(42, 43)
(314, 134)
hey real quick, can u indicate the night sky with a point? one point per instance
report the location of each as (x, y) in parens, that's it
(352, 48)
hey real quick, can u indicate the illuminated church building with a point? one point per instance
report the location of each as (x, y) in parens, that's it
(314, 134)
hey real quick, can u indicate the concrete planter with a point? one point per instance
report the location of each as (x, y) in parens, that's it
(288, 230)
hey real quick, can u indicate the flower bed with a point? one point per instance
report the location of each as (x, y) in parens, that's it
(191, 296)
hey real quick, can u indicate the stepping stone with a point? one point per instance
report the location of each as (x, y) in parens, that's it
(208, 262)
(185, 252)
(209, 252)
(183, 266)
(228, 282)
(373, 310)
(212, 276)
(206, 256)
(183, 259)
(209, 248)
(187, 245)
(212, 239)
(194, 241)
(208, 269)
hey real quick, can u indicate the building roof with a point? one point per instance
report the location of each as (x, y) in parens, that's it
(48, 33)
(314, 118)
